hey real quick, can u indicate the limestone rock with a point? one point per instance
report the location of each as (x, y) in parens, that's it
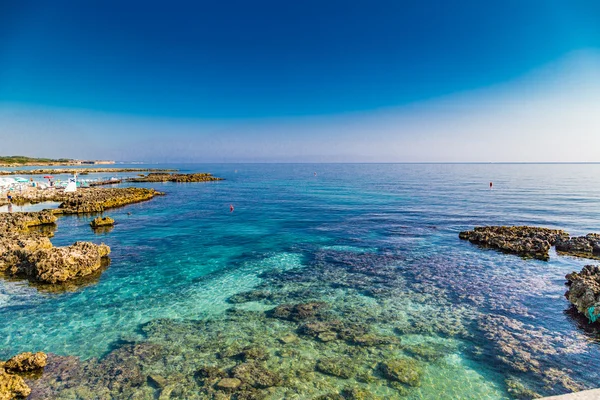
(525, 241)
(26, 362)
(174, 177)
(102, 221)
(12, 386)
(584, 291)
(59, 264)
(583, 246)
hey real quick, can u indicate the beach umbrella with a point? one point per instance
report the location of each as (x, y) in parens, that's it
(21, 180)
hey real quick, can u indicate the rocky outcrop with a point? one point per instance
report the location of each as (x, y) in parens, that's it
(526, 241)
(584, 291)
(21, 222)
(583, 246)
(13, 386)
(87, 200)
(162, 177)
(60, 264)
(97, 200)
(534, 242)
(30, 254)
(101, 222)
(26, 362)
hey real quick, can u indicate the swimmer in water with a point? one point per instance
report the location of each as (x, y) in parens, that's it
(231, 208)
(491, 184)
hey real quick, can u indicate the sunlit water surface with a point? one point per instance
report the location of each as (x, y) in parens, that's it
(181, 256)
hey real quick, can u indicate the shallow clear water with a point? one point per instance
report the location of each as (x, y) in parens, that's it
(181, 256)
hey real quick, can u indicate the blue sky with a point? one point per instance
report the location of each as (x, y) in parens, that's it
(307, 81)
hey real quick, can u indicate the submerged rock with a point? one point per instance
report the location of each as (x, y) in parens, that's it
(525, 241)
(229, 384)
(102, 222)
(584, 291)
(404, 370)
(340, 367)
(254, 374)
(298, 312)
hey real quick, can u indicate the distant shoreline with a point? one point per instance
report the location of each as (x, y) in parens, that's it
(58, 171)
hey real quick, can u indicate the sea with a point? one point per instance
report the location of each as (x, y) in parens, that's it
(376, 246)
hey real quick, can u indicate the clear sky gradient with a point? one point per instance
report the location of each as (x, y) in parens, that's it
(371, 81)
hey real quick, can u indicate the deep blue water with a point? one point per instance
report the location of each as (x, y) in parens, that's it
(182, 255)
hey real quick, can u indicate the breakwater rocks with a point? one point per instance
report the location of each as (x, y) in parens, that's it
(533, 242)
(584, 291)
(12, 384)
(30, 254)
(58, 171)
(162, 177)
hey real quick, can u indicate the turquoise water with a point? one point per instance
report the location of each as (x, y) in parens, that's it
(182, 256)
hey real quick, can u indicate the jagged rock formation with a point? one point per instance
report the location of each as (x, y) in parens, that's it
(98, 200)
(26, 362)
(102, 221)
(12, 385)
(525, 241)
(584, 291)
(87, 200)
(31, 254)
(162, 177)
(583, 246)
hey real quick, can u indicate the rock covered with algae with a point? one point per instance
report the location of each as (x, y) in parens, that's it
(584, 291)
(342, 367)
(526, 241)
(404, 370)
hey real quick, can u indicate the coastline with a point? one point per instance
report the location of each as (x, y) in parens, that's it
(83, 169)
(321, 318)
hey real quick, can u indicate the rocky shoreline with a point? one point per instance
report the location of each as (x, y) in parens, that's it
(81, 171)
(584, 291)
(27, 252)
(87, 200)
(30, 254)
(533, 242)
(13, 372)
